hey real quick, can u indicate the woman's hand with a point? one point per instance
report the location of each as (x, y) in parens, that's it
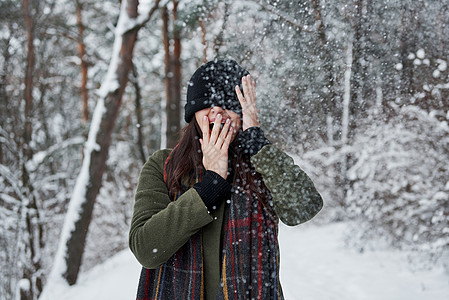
(248, 102)
(215, 146)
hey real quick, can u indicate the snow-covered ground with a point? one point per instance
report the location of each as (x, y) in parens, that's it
(314, 265)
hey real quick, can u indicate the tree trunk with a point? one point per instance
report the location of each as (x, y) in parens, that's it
(3, 95)
(347, 94)
(405, 49)
(138, 100)
(167, 74)
(73, 237)
(172, 76)
(112, 102)
(28, 97)
(34, 230)
(177, 79)
(83, 65)
(358, 76)
(218, 41)
(203, 40)
(342, 180)
(329, 107)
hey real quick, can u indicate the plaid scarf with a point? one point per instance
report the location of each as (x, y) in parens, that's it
(250, 258)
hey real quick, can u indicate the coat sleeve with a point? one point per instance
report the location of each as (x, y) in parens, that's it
(159, 227)
(295, 198)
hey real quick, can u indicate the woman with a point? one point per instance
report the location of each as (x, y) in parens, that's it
(205, 219)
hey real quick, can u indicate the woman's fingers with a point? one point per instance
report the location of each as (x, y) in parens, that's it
(215, 129)
(249, 91)
(253, 90)
(248, 102)
(205, 129)
(215, 152)
(224, 133)
(246, 83)
(239, 95)
(228, 138)
(218, 135)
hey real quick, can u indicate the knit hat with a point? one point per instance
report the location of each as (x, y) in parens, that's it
(213, 84)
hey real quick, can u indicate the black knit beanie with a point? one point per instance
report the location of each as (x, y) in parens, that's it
(213, 84)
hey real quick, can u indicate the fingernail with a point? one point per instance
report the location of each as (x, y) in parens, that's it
(205, 118)
(227, 121)
(218, 116)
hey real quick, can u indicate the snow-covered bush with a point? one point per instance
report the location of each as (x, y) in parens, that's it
(399, 181)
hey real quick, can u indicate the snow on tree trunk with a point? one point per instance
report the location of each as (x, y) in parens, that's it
(68, 257)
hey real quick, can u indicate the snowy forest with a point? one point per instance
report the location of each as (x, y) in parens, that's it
(357, 90)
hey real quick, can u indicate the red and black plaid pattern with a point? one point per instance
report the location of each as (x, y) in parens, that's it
(181, 277)
(250, 262)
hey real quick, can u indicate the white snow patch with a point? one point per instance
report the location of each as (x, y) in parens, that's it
(420, 53)
(315, 264)
(110, 82)
(398, 66)
(436, 74)
(440, 196)
(442, 65)
(22, 285)
(116, 278)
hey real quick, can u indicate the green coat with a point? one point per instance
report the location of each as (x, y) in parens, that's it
(160, 227)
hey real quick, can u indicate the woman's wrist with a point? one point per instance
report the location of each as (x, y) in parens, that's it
(212, 188)
(252, 140)
(249, 124)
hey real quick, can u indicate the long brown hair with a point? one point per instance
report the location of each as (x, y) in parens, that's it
(186, 160)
